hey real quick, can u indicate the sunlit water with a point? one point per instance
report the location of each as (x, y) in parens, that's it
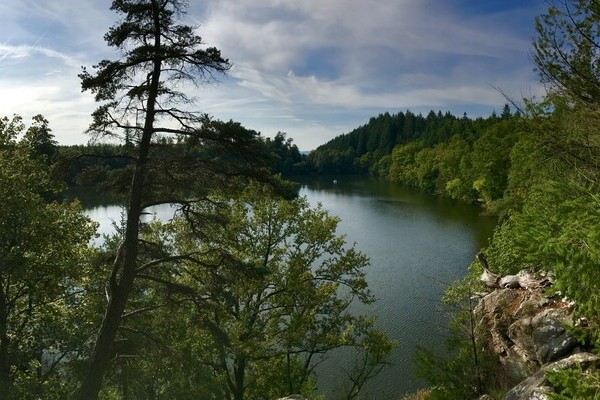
(417, 244)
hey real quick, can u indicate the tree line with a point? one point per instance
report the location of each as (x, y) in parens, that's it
(94, 164)
(367, 149)
(463, 158)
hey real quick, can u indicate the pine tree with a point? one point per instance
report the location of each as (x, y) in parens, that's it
(139, 103)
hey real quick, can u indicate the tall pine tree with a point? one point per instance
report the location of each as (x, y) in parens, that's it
(141, 103)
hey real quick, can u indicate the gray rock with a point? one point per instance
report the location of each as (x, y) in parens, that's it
(551, 340)
(536, 386)
(292, 397)
(524, 327)
(542, 338)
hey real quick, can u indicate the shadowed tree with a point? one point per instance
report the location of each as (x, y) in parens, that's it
(43, 255)
(567, 58)
(142, 103)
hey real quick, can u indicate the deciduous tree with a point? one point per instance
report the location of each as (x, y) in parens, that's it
(281, 301)
(43, 253)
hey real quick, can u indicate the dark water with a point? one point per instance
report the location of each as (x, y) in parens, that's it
(417, 244)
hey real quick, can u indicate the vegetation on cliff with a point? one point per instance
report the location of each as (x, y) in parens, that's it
(551, 200)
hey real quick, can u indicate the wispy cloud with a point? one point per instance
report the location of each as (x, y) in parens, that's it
(313, 68)
(25, 51)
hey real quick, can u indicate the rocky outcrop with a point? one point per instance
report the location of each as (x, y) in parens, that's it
(536, 386)
(525, 329)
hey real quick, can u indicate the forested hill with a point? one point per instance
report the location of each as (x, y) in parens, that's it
(460, 157)
(367, 148)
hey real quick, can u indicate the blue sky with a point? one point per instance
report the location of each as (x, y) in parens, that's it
(312, 68)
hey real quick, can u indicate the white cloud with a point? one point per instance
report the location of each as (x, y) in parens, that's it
(407, 33)
(36, 80)
(309, 67)
(25, 51)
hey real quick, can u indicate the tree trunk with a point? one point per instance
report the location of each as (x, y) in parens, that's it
(4, 348)
(119, 292)
(123, 270)
(239, 370)
(472, 326)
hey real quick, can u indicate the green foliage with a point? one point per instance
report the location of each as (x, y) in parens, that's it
(403, 162)
(92, 164)
(363, 149)
(564, 52)
(40, 140)
(574, 384)
(461, 368)
(104, 164)
(257, 301)
(470, 167)
(44, 252)
(289, 159)
(179, 155)
(372, 353)
(453, 373)
(445, 141)
(490, 159)
(543, 175)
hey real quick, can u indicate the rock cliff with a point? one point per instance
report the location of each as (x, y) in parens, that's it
(524, 328)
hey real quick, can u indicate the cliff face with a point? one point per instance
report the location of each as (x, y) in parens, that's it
(525, 329)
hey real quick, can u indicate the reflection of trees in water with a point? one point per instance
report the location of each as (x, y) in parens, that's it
(442, 209)
(90, 197)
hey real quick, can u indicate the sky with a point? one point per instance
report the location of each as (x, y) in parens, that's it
(313, 69)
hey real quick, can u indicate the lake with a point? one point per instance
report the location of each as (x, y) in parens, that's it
(417, 244)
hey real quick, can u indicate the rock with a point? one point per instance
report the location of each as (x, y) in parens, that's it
(489, 279)
(494, 315)
(542, 338)
(510, 281)
(536, 387)
(292, 397)
(523, 327)
(551, 340)
(524, 279)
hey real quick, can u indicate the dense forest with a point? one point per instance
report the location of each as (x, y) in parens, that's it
(464, 158)
(364, 150)
(95, 164)
(247, 288)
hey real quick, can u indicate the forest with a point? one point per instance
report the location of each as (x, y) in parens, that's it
(463, 158)
(248, 287)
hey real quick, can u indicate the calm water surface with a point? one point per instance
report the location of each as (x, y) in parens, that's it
(417, 244)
